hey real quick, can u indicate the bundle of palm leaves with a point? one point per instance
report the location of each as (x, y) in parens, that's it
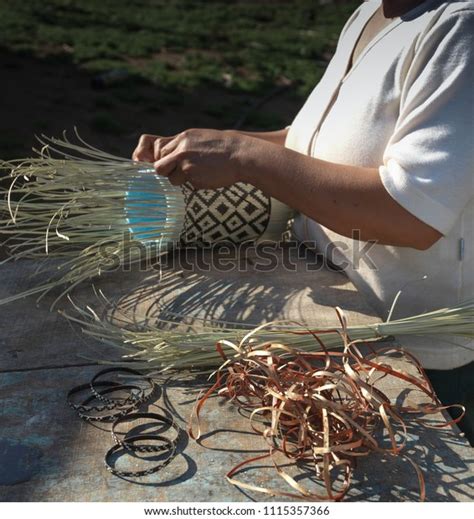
(81, 211)
(163, 345)
(86, 209)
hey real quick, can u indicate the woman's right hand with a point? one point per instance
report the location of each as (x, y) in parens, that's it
(149, 148)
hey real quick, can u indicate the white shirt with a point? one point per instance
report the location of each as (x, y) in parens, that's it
(407, 108)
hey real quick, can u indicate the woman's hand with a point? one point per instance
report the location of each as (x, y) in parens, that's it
(190, 154)
(149, 148)
(208, 159)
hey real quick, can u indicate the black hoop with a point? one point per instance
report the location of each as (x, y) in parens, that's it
(141, 473)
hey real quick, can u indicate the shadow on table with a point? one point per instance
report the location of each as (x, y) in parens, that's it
(389, 478)
(243, 295)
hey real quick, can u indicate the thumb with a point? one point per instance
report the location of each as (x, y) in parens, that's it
(166, 165)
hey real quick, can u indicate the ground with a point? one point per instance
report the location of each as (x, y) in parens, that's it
(187, 63)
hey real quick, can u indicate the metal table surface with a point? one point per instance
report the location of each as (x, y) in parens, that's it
(48, 454)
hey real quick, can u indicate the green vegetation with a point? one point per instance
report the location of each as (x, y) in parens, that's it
(103, 122)
(240, 45)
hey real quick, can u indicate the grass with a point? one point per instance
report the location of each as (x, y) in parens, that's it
(104, 122)
(180, 43)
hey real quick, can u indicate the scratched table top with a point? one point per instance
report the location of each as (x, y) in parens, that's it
(48, 454)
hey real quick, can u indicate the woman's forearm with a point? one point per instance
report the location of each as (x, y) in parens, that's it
(343, 198)
(346, 199)
(276, 137)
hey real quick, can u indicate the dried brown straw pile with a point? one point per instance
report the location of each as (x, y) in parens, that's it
(320, 409)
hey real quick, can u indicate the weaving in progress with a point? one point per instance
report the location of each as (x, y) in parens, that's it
(96, 212)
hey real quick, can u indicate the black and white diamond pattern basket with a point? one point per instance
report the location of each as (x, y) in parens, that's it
(236, 214)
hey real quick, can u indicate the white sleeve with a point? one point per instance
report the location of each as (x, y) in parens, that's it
(428, 165)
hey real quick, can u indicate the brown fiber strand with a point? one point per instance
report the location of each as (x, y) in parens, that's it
(320, 407)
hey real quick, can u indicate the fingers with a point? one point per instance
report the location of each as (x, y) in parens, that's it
(150, 147)
(159, 145)
(144, 152)
(177, 177)
(166, 165)
(171, 145)
(169, 157)
(175, 167)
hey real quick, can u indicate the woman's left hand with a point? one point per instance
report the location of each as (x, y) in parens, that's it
(208, 159)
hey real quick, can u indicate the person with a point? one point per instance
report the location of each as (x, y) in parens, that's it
(380, 155)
